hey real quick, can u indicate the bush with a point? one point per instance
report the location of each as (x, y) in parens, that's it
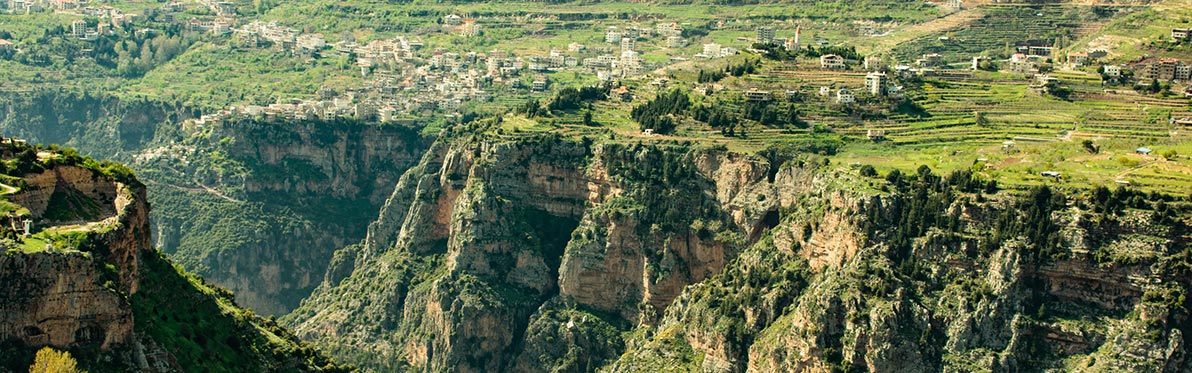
(49, 360)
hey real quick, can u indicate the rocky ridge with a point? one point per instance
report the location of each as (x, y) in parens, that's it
(546, 254)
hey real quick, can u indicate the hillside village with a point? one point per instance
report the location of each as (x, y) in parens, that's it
(405, 77)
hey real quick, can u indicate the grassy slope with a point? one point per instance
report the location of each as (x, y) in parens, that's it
(205, 331)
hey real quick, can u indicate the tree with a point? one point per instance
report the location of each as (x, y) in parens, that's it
(980, 119)
(1088, 146)
(868, 171)
(49, 360)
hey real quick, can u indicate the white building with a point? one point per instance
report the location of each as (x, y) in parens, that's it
(628, 44)
(765, 34)
(831, 61)
(675, 42)
(875, 83)
(1113, 70)
(613, 36)
(845, 97)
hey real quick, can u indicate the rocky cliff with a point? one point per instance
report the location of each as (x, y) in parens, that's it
(98, 289)
(539, 253)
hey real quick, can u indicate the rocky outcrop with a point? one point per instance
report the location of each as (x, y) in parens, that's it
(77, 298)
(63, 183)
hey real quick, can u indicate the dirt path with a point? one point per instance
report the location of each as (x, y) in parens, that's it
(201, 188)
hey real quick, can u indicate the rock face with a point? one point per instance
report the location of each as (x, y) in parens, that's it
(59, 300)
(539, 254)
(507, 226)
(64, 181)
(74, 298)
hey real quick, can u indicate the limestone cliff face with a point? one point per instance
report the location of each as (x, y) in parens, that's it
(58, 299)
(536, 254)
(512, 224)
(75, 298)
(353, 161)
(41, 187)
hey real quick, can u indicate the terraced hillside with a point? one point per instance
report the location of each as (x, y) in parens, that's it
(1003, 25)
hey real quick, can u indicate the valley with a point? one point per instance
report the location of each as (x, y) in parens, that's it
(882, 185)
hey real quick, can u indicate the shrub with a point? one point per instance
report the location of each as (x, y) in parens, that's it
(49, 360)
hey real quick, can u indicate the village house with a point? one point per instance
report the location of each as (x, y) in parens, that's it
(628, 44)
(310, 43)
(875, 135)
(613, 36)
(1181, 34)
(669, 29)
(1038, 50)
(832, 61)
(754, 95)
(1112, 71)
(1165, 69)
(977, 60)
(1183, 71)
(469, 28)
(1077, 59)
(675, 42)
(930, 59)
(221, 26)
(1023, 63)
(622, 93)
(765, 34)
(78, 28)
(711, 50)
(64, 4)
(845, 97)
